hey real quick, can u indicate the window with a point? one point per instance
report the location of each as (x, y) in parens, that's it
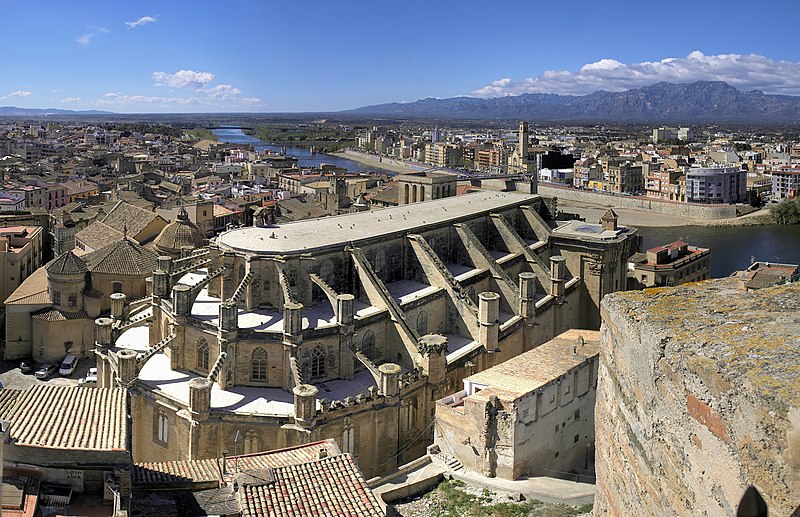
(422, 323)
(116, 287)
(162, 428)
(348, 438)
(576, 438)
(241, 272)
(73, 300)
(380, 260)
(56, 297)
(368, 345)
(318, 363)
(577, 414)
(202, 354)
(259, 364)
(251, 442)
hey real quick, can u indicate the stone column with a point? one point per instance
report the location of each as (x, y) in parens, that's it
(180, 300)
(126, 359)
(305, 405)
(433, 356)
(557, 267)
(228, 317)
(489, 319)
(228, 286)
(527, 307)
(344, 318)
(390, 376)
(200, 398)
(292, 338)
(102, 331)
(118, 305)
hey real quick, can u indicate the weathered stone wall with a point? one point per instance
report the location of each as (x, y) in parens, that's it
(698, 398)
(642, 203)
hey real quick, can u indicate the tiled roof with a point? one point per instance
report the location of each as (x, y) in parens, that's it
(8, 398)
(98, 235)
(124, 257)
(67, 264)
(135, 218)
(202, 471)
(32, 291)
(53, 314)
(331, 486)
(178, 234)
(66, 417)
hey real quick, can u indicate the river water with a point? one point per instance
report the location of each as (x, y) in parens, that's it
(732, 248)
(304, 156)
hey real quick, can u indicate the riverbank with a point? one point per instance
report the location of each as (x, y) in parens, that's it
(642, 218)
(373, 162)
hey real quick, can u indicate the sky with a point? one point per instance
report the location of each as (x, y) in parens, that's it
(312, 56)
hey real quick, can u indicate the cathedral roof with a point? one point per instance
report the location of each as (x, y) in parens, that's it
(178, 234)
(67, 264)
(124, 257)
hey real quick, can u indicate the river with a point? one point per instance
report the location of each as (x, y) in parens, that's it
(304, 156)
(732, 247)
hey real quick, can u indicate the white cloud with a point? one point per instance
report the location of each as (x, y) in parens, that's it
(85, 39)
(744, 71)
(252, 101)
(144, 20)
(119, 98)
(18, 93)
(183, 79)
(222, 91)
(72, 100)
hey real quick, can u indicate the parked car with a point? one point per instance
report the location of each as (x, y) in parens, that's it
(90, 380)
(68, 365)
(46, 371)
(26, 367)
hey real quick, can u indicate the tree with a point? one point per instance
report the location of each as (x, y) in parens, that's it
(786, 212)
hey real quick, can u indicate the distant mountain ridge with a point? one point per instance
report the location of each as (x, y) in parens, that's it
(11, 111)
(701, 101)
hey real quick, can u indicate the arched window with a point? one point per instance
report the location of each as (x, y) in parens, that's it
(241, 272)
(380, 260)
(116, 287)
(318, 363)
(291, 276)
(162, 428)
(349, 438)
(422, 323)
(202, 354)
(251, 442)
(259, 364)
(368, 345)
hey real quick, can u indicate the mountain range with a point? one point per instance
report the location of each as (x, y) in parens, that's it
(701, 101)
(11, 111)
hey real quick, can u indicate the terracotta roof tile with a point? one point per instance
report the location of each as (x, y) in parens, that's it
(124, 257)
(67, 264)
(98, 235)
(135, 218)
(32, 291)
(66, 417)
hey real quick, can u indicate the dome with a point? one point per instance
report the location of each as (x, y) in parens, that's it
(67, 264)
(178, 234)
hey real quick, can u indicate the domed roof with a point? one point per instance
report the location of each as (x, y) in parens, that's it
(67, 264)
(124, 257)
(178, 234)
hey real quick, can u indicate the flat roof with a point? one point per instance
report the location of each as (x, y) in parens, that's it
(315, 234)
(584, 230)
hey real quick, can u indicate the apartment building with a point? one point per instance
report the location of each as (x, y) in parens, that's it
(785, 183)
(20, 255)
(672, 264)
(625, 178)
(443, 154)
(716, 185)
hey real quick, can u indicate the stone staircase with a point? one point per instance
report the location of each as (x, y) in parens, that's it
(447, 460)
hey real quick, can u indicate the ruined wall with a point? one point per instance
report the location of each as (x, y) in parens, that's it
(698, 398)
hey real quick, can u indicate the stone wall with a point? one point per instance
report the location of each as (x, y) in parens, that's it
(698, 398)
(693, 211)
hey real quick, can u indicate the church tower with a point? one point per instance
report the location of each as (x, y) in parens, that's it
(518, 161)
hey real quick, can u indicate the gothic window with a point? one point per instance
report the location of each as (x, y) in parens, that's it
(241, 272)
(422, 323)
(368, 345)
(259, 364)
(318, 363)
(348, 438)
(380, 260)
(162, 428)
(116, 287)
(251, 442)
(433, 244)
(291, 276)
(202, 354)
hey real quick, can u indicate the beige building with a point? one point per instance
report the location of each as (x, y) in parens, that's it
(672, 264)
(425, 186)
(122, 220)
(625, 178)
(520, 162)
(442, 154)
(349, 326)
(20, 255)
(529, 415)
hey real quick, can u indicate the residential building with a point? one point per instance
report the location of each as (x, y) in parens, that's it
(529, 415)
(716, 185)
(625, 177)
(664, 134)
(20, 255)
(785, 183)
(672, 264)
(765, 274)
(443, 154)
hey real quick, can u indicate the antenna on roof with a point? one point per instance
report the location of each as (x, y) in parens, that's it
(125, 229)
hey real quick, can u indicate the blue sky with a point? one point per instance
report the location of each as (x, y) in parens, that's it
(272, 56)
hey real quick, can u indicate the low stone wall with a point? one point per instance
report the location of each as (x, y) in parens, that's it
(692, 211)
(698, 398)
(385, 160)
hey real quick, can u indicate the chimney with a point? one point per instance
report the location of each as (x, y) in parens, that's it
(323, 453)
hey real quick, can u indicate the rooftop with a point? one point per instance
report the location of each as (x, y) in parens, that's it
(584, 230)
(535, 368)
(305, 236)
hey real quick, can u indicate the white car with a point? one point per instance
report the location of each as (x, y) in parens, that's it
(90, 379)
